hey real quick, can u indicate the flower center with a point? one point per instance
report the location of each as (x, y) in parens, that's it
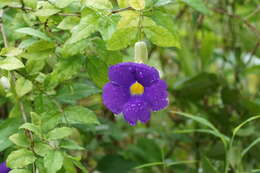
(136, 89)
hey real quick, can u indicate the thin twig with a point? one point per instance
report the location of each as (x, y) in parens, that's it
(253, 53)
(246, 22)
(69, 14)
(121, 10)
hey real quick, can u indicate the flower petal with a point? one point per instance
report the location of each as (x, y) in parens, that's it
(146, 75)
(114, 97)
(156, 95)
(136, 109)
(128, 73)
(4, 168)
(122, 74)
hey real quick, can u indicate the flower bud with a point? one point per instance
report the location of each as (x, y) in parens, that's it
(141, 53)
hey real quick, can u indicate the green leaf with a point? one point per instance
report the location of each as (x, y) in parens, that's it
(114, 163)
(137, 4)
(63, 3)
(20, 139)
(197, 5)
(88, 25)
(41, 149)
(11, 51)
(30, 3)
(7, 128)
(31, 127)
(68, 22)
(70, 145)
(208, 166)
(20, 158)
(80, 115)
(250, 146)
(46, 12)
(208, 131)
(161, 36)
(64, 70)
(71, 93)
(163, 2)
(33, 66)
(33, 32)
(99, 4)
(23, 86)
(53, 161)
(123, 3)
(69, 166)
(206, 123)
(122, 38)
(69, 50)
(59, 133)
(19, 171)
(77, 163)
(97, 70)
(11, 63)
(197, 87)
(244, 123)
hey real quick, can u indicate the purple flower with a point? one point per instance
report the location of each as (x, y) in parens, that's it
(135, 90)
(3, 168)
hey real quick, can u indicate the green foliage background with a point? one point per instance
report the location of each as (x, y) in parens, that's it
(54, 61)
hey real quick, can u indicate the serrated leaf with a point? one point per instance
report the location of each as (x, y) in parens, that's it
(19, 139)
(63, 3)
(99, 4)
(33, 32)
(46, 12)
(161, 36)
(53, 161)
(59, 133)
(11, 63)
(20, 158)
(122, 38)
(197, 5)
(23, 86)
(137, 4)
(80, 115)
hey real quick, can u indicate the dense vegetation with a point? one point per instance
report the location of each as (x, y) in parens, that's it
(54, 62)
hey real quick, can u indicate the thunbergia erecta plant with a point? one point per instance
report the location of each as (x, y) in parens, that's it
(4, 168)
(135, 89)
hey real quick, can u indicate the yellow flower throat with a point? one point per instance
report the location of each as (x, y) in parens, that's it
(136, 89)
